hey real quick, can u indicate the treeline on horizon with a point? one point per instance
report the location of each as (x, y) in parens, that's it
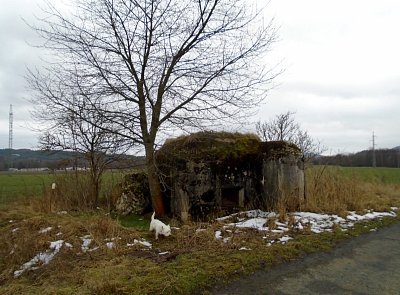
(383, 158)
(57, 160)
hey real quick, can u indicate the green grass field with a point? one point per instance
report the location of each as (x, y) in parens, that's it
(374, 175)
(381, 175)
(16, 185)
(23, 184)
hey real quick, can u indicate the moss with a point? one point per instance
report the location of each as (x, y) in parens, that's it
(279, 149)
(210, 146)
(219, 147)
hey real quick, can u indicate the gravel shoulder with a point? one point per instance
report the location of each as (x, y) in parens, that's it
(368, 264)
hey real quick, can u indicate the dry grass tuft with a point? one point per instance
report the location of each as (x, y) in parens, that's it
(330, 191)
(72, 192)
(271, 223)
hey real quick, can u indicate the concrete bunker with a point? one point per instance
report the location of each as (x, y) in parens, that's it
(208, 171)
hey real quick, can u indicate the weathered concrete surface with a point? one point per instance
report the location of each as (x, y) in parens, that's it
(369, 264)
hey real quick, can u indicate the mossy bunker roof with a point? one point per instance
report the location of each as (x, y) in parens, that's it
(222, 146)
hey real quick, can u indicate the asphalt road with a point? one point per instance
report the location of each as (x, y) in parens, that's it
(369, 264)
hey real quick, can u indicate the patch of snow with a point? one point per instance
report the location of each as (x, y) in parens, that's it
(110, 245)
(277, 231)
(256, 222)
(86, 241)
(298, 226)
(218, 236)
(11, 221)
(56, 245)
(244, 249)
(62, 212)
(143, 242)
(249, 214)
(226, 240)
(317, 222)
(40, 259)
(282, 228)
(45, 230)
(284, 239)
(163, 253)
(68, 245)
(371, 215)
(59, 234)
(259, 213)
(226, 217)
(15, 230)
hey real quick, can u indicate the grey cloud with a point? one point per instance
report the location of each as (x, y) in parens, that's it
(387, 88)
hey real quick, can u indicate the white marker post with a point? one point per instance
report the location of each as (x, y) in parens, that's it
(53, 187)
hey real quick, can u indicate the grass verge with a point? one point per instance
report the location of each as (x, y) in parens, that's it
(193, 259)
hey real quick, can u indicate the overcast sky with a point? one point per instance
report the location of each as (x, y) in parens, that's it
(341, 61)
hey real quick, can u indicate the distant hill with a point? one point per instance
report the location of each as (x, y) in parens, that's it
(24, 154)
(26, 158)
(383, 158)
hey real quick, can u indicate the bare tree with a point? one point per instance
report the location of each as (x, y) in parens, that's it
(91, 141)
(157, 65)
(284, 127)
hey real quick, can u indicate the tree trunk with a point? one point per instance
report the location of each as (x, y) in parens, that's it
(95, 189)
(95, 175)
(154, 182)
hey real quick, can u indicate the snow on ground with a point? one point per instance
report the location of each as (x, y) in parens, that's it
(255, 219)
(316, 223)
(244, 249)
(45, 230)
(40, 259)
(86, 241)
(143, 242)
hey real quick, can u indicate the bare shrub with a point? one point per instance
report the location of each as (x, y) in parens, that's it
(72, 192)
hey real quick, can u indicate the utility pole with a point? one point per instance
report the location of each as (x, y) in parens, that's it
(10, 135)
(373, 150)
(10, 129)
